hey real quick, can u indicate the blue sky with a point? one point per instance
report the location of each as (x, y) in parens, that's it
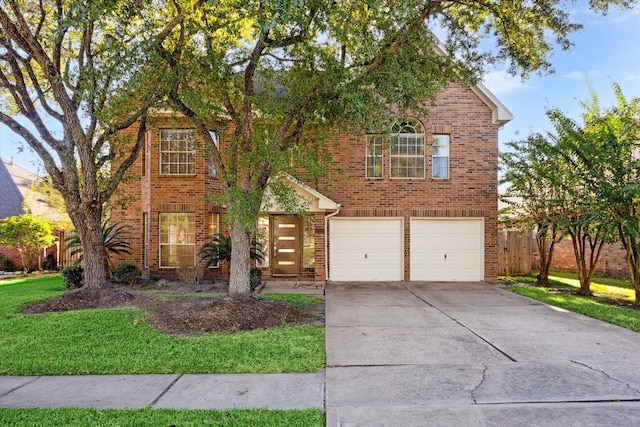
(606, 50)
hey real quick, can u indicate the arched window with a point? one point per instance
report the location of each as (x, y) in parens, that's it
(407, 149)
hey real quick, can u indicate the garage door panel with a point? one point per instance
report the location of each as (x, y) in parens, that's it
(447, 249)
(366, 249)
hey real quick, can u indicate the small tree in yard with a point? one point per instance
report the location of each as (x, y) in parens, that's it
(28, 235)
(605, 155)
(533, 197)
(285, 73)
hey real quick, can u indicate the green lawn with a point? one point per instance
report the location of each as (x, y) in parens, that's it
(115, 341)
(609, 294)
(160, 417)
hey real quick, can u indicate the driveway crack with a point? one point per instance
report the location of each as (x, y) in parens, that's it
(484, 377)
(626, 384)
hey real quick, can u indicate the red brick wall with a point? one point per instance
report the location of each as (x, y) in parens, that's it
(12, 254)
(471, 190)
(155, 193)
(612, 259)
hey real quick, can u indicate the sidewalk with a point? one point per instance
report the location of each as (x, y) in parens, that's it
(271, 391)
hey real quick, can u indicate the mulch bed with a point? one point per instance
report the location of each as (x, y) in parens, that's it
(172, 312)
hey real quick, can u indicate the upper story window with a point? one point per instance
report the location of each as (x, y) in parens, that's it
(374, 156)
(407, 150)
(440, 157)
(177, 152)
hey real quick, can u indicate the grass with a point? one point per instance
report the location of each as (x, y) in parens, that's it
(160, 417)
(609, 294)
(117, 341)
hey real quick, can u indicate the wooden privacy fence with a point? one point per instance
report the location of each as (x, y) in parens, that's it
(514, 252)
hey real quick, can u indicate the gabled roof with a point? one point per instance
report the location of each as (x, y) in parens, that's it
(317, 202)
(501, 114)
(16, 195)
(15, 185)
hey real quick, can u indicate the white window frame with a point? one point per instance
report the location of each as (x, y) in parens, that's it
(177, 238)
(213, 172)
(177, 152)
(441, 150)
(308, 243)
(373, 155)
(263, 236)
(407, 146)
(214, 228)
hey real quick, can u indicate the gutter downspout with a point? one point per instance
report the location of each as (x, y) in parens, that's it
(326, 242)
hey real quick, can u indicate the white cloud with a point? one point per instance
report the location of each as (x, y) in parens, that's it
(575, 75)
(579, 75)
(500, 81)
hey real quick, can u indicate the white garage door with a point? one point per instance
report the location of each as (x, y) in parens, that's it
(447, 249)
(366, 249)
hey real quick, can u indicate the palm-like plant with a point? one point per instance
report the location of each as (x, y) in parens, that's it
(219, 249)
(113, 240)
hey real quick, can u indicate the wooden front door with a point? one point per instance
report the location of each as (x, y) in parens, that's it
(287, 242)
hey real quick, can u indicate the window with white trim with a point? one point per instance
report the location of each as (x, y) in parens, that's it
(213, 172)
(214, 228)
(407, 150)
(177, 152)
(374, 156)
(177, 239)
(440, 157)
(262, 236)
(309, 244)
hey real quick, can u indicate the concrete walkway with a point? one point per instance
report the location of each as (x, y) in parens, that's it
(271, 391)
(472, 354)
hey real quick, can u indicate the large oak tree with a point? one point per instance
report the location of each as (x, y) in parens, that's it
(284, 72)
(74, 75)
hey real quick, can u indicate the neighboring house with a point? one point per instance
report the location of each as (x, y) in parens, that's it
(18, 198)
(15, 185)
(422, 209)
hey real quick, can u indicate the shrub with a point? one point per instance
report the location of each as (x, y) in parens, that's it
(189, 273)
(6, 264)
(126, 273)
(113, 236)
(218, 249)
(73, 276)
(255, 278)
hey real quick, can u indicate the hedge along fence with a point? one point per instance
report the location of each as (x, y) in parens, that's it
(514, 252)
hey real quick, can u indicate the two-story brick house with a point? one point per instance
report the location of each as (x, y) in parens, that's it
(422, 207)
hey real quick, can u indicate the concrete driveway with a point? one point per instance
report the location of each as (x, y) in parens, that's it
(472, 354)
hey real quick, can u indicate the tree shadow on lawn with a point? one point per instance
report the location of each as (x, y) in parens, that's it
(174, 309)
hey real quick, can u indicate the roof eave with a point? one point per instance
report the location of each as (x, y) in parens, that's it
(501, 114)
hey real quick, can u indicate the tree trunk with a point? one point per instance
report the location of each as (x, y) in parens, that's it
(578, 241)
(240, 267)
(633, 264)
(586, 267)
(88, 226)
(546, 257)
